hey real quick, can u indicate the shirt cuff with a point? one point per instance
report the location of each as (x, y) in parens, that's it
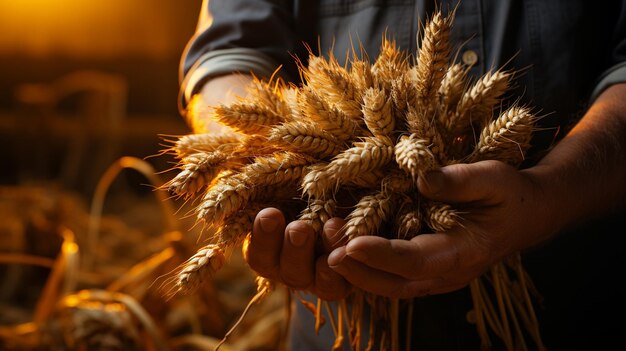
(225, 61)
(614, 75)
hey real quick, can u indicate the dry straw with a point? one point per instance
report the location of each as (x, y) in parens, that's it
(370, 131)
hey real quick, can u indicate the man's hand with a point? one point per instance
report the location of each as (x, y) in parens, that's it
(291, 255)
(501, 213)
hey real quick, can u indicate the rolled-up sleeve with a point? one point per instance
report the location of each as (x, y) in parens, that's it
(237, 36)
(616, 73)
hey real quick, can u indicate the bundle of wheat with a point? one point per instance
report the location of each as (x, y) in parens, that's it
(372, 130)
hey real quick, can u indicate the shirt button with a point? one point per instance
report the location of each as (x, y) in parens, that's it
(470, 57)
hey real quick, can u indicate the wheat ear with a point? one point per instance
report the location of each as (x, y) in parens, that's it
(327, 117)
(247, 117)
(369, 215)
(413, 156)
(188, 145)
(333, 82)
(427, 130)
(377, 112)
(363, 157)
(279, 168)
(269, 95)
(477, 103)
(305, 137)
(451, 89)
(198, 170)
(441, 217)
(201, 266)
(408, 222)
(225, 197)
(390, 64)
(432, 60)
(507, 138)
(361, 75)
(318, 212)
(235, 228)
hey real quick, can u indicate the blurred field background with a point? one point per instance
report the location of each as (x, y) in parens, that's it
(83, 84)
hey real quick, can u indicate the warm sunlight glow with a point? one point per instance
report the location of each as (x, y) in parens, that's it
(95, 28)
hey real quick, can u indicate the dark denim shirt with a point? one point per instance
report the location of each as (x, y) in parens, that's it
(567, 52)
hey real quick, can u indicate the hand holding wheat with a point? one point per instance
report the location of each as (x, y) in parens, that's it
(365, 138)
(497, 202)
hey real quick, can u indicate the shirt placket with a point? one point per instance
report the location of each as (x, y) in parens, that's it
(467, 36)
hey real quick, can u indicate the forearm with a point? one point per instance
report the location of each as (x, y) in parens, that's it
(585, 174)
(219, 90)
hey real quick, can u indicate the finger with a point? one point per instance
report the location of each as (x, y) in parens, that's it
(383, 283)
(297, 258)
(329, 285)
(332, 237)
(266, 241)
(465, 182)
(426, 256)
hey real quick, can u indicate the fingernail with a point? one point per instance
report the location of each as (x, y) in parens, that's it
(268, 224)
(434, 181)
(297, 238)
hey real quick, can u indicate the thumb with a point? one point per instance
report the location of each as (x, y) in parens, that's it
(465, 182)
